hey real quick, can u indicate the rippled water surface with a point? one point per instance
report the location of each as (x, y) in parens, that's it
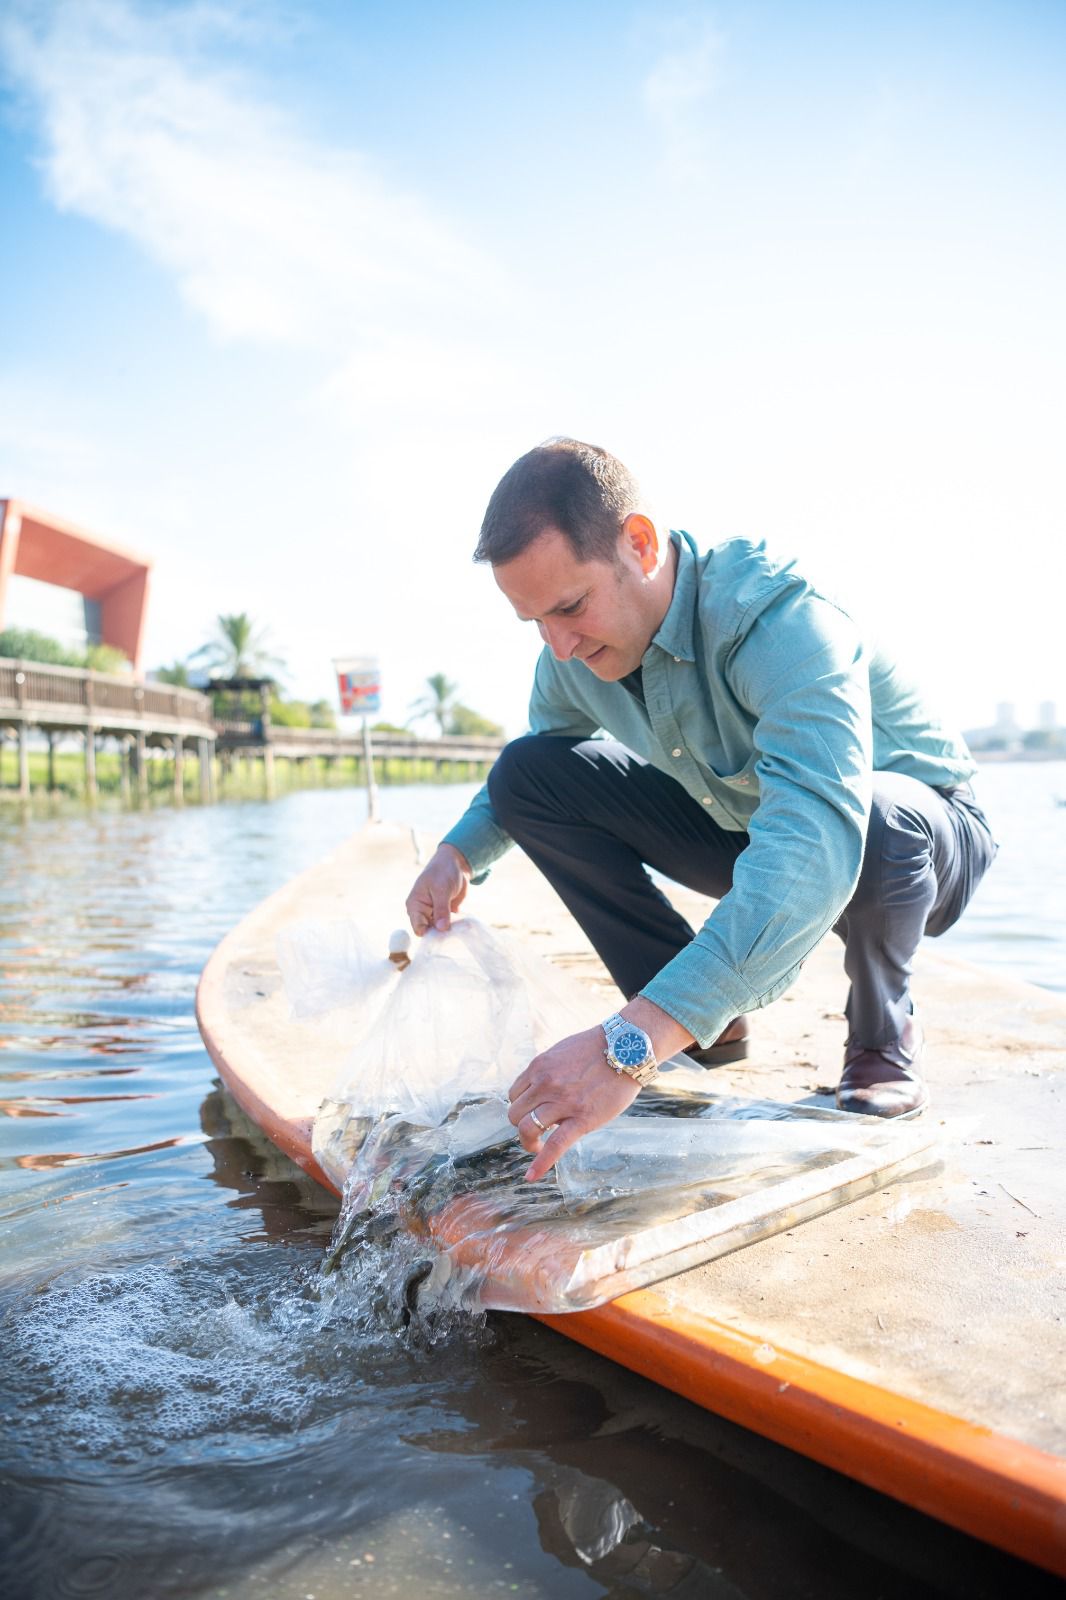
(189, 1408)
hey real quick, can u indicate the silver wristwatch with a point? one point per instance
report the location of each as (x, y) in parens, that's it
(629, 1050)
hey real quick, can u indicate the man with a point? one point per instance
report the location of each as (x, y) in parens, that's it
(760, 752)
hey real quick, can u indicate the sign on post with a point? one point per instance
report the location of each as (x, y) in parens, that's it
(359, 687)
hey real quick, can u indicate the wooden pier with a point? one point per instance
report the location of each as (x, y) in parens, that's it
(397, 757)
(62, 702)
(65, 701)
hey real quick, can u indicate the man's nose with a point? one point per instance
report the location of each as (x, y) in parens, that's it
(561, 640)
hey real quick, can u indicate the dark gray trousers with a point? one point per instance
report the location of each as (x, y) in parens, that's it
(592, 816)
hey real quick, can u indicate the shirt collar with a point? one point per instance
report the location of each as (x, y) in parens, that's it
(675, 630)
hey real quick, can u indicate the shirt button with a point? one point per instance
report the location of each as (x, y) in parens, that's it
(707, 800)
(677, 658)
(675, 752)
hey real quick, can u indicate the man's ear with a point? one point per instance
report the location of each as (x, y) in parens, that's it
(642, 537)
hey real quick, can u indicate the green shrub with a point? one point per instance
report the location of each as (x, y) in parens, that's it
(290, 713)
(177, 675)
(29, 645)
(106, 658)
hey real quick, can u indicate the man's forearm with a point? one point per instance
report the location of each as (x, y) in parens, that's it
(667, 1035)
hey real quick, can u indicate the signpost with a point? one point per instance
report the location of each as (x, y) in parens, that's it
(359, 687)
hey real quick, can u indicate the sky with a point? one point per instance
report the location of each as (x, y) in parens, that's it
(285, 288)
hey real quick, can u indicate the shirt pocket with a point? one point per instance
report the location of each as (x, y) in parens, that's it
(744, 781)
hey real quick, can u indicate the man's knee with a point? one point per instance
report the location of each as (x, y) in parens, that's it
(522, 773)
(898, 869)
(508, 772)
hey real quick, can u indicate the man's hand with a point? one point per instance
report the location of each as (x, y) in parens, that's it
(572, 1086)
(439, 889)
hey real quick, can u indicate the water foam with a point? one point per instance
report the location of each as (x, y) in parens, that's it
(132, 1362)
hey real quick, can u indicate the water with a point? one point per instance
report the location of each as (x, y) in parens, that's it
(1016, 921)
(189, 1408)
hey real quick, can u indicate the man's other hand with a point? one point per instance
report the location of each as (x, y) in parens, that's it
(439, 890)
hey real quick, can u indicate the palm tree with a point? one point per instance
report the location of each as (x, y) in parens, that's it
(239, 648)
(438, 701)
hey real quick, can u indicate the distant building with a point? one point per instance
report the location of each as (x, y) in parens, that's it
(1004, 735)
(1006, 725)
(1006, 739)
(77, 588)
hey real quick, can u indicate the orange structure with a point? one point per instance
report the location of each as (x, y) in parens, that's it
(34, 544)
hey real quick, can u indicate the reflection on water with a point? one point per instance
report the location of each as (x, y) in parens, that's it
(190, 1408)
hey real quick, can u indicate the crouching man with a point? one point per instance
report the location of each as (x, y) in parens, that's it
(758, 751)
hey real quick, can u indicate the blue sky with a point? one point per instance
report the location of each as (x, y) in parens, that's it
(286, 288)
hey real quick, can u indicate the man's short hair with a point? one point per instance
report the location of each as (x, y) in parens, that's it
(583, 491)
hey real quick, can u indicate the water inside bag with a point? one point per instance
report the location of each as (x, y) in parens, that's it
(415, 1133)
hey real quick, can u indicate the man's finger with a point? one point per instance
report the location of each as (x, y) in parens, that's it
(418, 915)
(520, 1085)
(530, 1130)
(555, 1144)
(552, 1147)
(522, 1104)
(440, 911)
(459, 896)
(529, 1135)
(542, 1098)
(515, 1113)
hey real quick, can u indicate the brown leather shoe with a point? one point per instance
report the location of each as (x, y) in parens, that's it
(885, 1082)
(730, 1045)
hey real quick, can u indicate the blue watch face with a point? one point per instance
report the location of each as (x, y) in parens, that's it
(630, 1048)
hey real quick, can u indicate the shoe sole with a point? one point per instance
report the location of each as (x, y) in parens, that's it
(908, 1116)
(900, 1116)
(720, 1055)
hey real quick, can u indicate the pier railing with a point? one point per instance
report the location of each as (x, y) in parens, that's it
(48, 696)
(296, 742)
(65, 701)
(71, 697)
(142, 718)
(397, 757)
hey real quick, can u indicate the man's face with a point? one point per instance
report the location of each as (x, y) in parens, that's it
(596, 612)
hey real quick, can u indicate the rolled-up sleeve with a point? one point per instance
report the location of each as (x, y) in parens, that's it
(800, 670)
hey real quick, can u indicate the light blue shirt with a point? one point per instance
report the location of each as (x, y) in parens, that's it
(763, 700)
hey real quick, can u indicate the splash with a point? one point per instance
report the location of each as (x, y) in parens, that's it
(416, 1130)
(141, 1361)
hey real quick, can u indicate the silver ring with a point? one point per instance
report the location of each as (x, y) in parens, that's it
(537, 1120)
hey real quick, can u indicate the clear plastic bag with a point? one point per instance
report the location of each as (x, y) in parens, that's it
(461, 1021)
(730, 1139)
(417, 1134)
(330, 966)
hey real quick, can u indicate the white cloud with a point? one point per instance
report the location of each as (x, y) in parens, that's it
(270, 236)
(677, 89)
